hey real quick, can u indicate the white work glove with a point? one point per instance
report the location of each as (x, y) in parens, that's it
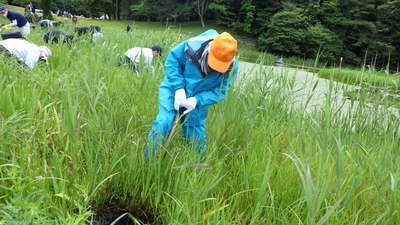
(190, 105)
(180, 99)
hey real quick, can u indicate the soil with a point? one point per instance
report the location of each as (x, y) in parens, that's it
(110, 212)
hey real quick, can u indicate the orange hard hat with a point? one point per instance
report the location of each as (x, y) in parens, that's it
(222, 52)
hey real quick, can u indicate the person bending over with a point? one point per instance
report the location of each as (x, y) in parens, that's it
(134, 56)
(26, 53)
(198, 74)
(56, 36)
(18, 21)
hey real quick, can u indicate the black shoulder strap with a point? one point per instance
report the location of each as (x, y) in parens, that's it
(195, 56)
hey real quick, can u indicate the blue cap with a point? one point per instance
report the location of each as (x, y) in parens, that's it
(157, 49)
(3, 8)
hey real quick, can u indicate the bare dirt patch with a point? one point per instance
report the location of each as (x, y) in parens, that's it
(110, 212)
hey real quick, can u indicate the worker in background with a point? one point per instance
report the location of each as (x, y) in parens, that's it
(199, 73)
(128, 28)
(57, 36)
(29, 12)
(134, 56)
(18, 21)
(87, 30)
(29, 8)
(93, 31)
(26, 53)
(49, 23)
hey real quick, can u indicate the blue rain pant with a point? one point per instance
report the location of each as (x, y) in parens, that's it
(193, 129)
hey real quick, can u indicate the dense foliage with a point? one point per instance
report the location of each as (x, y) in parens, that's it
(360, 31)
(46, 6)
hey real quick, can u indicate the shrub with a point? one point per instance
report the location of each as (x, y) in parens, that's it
(286, 33)
(321, 39)
(46, 5)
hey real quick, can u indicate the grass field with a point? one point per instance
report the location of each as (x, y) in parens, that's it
(73, 133)
(363, 78)
(375, 96)
(376, 87)
(247, 45)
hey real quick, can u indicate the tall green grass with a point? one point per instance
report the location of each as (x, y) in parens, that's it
(362, 78)
(72, 136)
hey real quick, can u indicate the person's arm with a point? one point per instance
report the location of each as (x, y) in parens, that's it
(13, 20)
(218, 93)
(13, 23)
(174, 65)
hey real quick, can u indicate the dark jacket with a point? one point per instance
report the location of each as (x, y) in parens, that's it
(56, 36)
(85, 30)
(21, 20)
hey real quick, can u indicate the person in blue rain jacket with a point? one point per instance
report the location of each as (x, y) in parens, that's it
(199, 73)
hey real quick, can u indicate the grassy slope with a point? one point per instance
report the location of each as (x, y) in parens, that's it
(4, 20)
(73, 133)
(248, 52)
(363, 78)
(16, 8)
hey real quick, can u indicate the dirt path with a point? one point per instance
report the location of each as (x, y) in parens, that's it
(312, 93)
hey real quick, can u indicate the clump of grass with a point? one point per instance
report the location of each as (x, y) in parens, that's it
(374, 96)
(362, 78)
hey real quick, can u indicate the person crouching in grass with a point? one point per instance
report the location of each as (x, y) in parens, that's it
(17, 20)
(58, 36)
(26, 53)
(134, 56)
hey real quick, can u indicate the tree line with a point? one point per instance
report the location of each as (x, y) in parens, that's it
(361, 32)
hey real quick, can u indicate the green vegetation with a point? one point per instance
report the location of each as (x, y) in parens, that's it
(73, 133)
(363, 78)
(330, 29)
(352, 29)
(374, 96)
(247, 51)
(46, 6)
(12, 8)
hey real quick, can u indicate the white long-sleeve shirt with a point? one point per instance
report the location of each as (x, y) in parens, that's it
(136, 54)
(13, 23)
(46, 23)
(25, 51)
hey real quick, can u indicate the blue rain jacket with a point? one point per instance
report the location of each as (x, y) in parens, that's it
(181, 73)
(208, 90)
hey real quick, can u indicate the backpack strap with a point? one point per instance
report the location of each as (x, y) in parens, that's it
(195, 56)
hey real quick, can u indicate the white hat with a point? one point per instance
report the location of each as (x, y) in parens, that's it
(45, 53)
